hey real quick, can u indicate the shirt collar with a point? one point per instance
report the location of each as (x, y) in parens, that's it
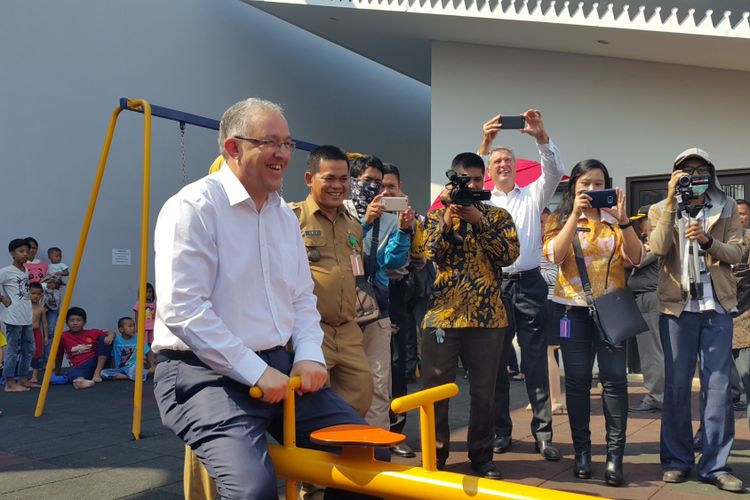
(497, 192)
(310, 201)
(236, 192)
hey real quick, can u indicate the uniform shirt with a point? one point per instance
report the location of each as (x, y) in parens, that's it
(467, 291)
(601, 241)
(231, 279)
(526, 204)
(330, 246)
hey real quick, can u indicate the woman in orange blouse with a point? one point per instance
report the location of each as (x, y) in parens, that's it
(608, 241)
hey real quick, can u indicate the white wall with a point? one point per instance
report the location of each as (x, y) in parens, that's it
(633, 116)
(65, 64)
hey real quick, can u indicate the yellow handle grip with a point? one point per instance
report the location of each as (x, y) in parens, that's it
(425, 397)
(257, 393)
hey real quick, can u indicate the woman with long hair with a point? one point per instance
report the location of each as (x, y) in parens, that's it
(608, 241)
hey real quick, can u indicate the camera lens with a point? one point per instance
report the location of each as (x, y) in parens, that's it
(684, 181)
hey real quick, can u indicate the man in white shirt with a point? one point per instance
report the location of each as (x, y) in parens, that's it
(234, 288)
(524, 288)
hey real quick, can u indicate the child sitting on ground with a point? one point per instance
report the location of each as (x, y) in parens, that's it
(56, 266)
(150, 312)
(41, 331)
(87, 350)
(124, 353)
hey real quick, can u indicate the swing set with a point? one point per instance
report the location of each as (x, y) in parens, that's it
(149, 111)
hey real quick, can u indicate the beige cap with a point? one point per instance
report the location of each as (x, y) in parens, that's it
(692, 153)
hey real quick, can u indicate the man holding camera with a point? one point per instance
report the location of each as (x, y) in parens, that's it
(696, 232)
(523, 286)
(469, 243)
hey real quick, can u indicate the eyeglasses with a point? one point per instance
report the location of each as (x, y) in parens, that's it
(702, 170)
(268, 143)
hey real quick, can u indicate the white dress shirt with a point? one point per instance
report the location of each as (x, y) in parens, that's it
(232, 281)
(525, 205)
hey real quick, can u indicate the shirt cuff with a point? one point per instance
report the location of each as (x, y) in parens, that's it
(250, 368)
(548, 149)
(309, 351)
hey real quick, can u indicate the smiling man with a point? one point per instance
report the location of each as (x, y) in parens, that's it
(234, 288)
(333, 239)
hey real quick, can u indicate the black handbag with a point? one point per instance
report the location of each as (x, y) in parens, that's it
(615, 314)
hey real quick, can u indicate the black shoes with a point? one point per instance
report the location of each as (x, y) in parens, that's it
(643, 407)
(487, 470)
(613, 471)
(582, 468)
(403, 450)
(548, 451)
(502, 444)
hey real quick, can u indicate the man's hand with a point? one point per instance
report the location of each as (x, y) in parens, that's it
(405, 219)
(470, 214)
(374, 210)
(672, 188)
(489, 132)
(619, 211)
(313, 375)
(535, 126)
(274, 385)
(695, 232)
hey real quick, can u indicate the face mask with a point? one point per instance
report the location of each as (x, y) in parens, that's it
(700, 189)
(363, 193)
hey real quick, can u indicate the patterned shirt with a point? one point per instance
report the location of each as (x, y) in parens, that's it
(600, 241)
(467, 291)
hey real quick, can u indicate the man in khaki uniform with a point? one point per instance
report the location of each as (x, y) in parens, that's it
(333, 239)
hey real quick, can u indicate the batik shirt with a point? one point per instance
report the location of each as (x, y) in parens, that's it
(467, 291)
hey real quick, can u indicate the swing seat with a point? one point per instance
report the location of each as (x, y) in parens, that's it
(358, 435)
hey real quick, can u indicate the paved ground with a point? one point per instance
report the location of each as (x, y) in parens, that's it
(82, 449)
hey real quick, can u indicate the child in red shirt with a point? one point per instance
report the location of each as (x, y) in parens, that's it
(87, 350)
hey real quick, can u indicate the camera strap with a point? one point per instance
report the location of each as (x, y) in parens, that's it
(372, 258)
(583, 273)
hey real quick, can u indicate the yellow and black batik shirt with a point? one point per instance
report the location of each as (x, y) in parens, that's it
(467, 291)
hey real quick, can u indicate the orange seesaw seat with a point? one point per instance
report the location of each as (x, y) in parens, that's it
(356, 435)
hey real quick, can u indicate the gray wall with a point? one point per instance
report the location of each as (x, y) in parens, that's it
(65, 64)
(634, 116)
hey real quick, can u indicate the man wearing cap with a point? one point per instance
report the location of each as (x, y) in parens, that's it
(643, 282)
(696, 316)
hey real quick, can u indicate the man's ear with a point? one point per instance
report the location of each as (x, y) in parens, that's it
(232, 147)
(308, 179)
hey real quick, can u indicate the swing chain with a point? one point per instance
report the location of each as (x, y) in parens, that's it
(182, 153)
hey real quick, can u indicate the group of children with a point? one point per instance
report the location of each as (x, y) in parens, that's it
(30, 298)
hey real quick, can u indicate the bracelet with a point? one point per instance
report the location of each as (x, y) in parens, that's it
(626, 225)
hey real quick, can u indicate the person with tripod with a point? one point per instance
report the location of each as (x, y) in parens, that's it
(696, 233)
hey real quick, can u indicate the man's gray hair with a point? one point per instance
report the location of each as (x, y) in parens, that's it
(502, 148)
(238, 119)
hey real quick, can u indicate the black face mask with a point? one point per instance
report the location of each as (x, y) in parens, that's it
(363, 193)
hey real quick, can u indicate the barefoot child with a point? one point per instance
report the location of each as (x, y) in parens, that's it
(14, 295)
(123, 352)
(87, 350)
(41, 331)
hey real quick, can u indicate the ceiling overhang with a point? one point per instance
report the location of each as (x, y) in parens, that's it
(399, 33)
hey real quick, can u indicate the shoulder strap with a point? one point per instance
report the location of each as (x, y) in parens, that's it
(371, 260)
(581, 263)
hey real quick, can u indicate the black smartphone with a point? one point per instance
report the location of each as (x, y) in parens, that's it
(603, 198)
(513, 122)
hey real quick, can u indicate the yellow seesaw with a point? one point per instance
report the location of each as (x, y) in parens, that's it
(356, 468)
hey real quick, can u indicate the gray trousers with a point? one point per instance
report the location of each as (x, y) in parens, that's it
(650, 351)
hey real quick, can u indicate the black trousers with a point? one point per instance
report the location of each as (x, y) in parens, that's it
(481, 347)
(578, 353)
(404, 328)
(226, 429)
(525, 301)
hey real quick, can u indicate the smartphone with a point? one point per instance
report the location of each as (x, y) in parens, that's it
(603, 198)
(513, 122)
(394, 203)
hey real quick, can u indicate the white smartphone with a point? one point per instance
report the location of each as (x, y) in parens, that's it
(395, 203)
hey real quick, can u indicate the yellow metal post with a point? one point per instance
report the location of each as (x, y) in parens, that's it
(76, 264)
(143, 271)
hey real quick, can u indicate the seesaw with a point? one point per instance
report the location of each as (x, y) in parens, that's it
(356, 469)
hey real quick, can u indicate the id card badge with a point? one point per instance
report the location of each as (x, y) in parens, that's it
(565, 327)
(357, 267)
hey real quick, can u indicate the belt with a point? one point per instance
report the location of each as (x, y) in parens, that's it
(522, 275)
(173, 355)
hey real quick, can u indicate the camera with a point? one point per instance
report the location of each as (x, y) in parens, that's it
(687, 184)
(461, 194)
